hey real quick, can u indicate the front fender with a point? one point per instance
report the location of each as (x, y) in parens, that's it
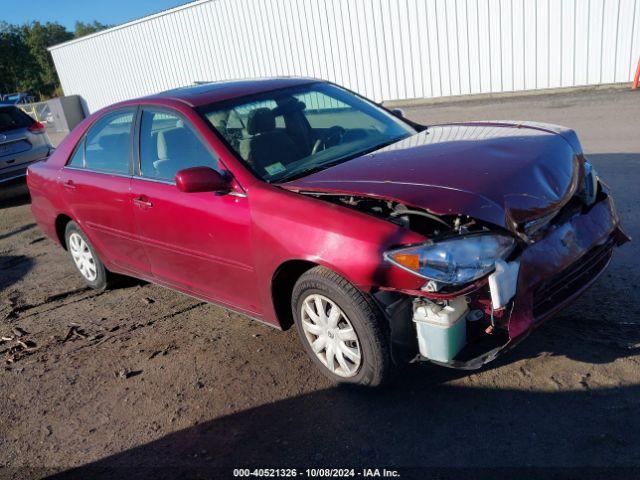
(289, 226)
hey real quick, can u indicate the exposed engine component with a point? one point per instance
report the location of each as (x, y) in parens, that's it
(475, 315)
(441, 328)
(418, 220)
(432, 286)
(401, 210)
(503, 283)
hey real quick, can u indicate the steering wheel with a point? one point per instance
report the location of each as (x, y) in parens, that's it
(332, 137)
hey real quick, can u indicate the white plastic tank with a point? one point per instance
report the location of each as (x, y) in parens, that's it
(441, 329)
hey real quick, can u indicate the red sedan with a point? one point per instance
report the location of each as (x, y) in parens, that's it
(295, 201)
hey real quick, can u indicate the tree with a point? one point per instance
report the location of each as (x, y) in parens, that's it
(14, 59)
(88, 28)
(38, 37)
(25, 63)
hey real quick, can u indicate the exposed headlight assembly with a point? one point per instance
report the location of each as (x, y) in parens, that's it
(454, 261)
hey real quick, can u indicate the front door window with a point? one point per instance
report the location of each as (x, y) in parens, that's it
(168, 145)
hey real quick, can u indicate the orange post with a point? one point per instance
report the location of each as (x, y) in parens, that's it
(636, 79)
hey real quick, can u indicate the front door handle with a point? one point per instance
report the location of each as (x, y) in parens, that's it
(69, 185)
(142, 202)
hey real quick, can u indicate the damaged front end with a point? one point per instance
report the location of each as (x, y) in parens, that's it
(485, 287)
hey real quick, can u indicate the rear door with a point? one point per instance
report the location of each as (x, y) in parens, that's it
(96, 186)
(196, 242)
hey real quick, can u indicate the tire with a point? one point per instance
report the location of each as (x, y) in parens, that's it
(356, 310)
(94, 274)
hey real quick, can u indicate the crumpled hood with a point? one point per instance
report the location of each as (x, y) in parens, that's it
(504, 173)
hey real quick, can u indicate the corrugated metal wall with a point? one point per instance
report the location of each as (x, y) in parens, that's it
(384, 49)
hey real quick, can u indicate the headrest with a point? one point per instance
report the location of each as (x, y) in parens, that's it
(290, 105)
(261, 120)
(171, 142)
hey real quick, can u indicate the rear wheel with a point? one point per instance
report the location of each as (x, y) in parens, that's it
(85, 258)
(341, 329)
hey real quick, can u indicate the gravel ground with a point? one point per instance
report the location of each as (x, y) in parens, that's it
(142, 379)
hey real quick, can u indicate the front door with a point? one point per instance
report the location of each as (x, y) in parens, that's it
(96, 187)
(197, 242)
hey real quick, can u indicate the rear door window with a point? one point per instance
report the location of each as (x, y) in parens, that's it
(12, 118)
(107, 145)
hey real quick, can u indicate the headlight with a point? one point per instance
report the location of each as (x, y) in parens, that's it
(454, 261)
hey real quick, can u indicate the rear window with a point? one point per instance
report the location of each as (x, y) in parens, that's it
(12, 118)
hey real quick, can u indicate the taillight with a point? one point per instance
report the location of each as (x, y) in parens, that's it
(37, 127)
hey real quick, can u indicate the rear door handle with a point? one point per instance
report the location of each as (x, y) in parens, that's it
(69, 185)
(142, 202)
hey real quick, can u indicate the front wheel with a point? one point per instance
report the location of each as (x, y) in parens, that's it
(341, 329)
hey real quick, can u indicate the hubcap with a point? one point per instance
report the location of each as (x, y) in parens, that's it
(82, 257)
(331, 335)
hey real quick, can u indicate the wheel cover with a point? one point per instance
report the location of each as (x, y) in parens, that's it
(83, 257)
(331, 335)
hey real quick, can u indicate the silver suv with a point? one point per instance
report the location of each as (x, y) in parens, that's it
(22, 142)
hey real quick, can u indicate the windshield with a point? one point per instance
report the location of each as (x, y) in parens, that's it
(291, 132)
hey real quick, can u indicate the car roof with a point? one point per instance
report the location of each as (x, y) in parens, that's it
(206, 93)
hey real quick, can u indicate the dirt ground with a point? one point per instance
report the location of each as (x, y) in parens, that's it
(148, 381)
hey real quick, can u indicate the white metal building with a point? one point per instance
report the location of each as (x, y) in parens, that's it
(384, 49)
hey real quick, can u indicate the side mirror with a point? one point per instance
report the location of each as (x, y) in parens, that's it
(398, 112)
(201, 179)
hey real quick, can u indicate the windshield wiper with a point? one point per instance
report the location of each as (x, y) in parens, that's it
(305, 171)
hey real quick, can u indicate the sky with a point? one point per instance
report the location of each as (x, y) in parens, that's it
(66, 12)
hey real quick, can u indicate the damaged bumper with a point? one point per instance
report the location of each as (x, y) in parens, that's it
(555, 270)
(549, 274)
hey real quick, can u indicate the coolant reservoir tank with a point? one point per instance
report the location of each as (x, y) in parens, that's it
(441, 329)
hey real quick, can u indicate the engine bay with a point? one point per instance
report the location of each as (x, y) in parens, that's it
(415, 219)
